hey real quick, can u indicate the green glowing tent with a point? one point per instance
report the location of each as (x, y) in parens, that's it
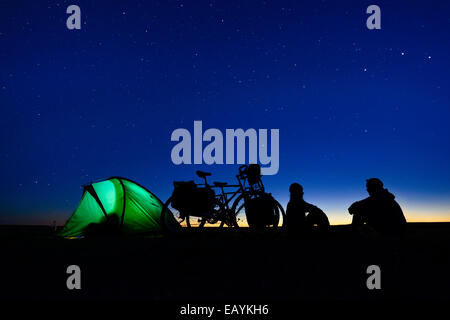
(137, 210)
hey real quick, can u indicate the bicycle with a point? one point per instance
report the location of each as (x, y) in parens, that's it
(257, 208)
(201, 203)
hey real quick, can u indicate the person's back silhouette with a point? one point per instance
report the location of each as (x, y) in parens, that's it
(379, 211)
(297, 220)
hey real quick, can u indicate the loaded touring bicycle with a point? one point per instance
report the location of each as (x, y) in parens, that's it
(245, 204)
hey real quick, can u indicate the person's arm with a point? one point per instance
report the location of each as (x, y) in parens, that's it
(354, 208)
(358, 211)
(312, 209)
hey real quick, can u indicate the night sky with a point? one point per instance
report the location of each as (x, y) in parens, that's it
(350, 103)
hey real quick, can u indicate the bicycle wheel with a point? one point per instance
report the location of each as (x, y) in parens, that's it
(241, 217)
(184, 220)
(238, 210)
(283, 214)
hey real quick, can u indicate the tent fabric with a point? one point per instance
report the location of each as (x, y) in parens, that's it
(138, 209)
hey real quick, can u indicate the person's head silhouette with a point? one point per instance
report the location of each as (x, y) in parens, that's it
(296, 191)
(374, 186)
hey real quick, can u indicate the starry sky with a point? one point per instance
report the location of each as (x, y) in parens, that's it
(350, 103)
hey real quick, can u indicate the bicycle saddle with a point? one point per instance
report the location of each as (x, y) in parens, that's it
(203, 174)
(220, 184)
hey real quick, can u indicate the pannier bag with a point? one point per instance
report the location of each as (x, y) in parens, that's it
(253, 173)
(261, 211)
(191, 200)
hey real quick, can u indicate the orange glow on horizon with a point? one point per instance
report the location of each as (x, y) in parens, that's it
(346, 219)
(335, 217)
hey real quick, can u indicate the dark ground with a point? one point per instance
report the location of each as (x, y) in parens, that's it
(227, 265)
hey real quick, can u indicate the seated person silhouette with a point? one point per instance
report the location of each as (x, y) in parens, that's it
(379, 211)
(297, 220)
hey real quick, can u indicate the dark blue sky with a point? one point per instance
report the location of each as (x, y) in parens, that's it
(350, 103)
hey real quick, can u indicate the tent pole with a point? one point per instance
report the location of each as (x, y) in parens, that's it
(124, 201)
(92, 192)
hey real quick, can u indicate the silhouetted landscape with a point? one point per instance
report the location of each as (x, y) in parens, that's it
(228, 264)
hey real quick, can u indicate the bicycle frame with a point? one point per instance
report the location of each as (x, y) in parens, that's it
(242, 188)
